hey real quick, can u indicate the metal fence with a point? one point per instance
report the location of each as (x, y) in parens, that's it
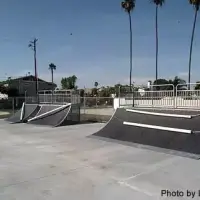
(155, 96)
(166, 96)
(13, 104)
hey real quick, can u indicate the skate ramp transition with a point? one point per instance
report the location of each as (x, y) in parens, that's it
(26, 112)
(30, 110)
(174, 130)
(17, 117)
(44, 114)
(57, 115)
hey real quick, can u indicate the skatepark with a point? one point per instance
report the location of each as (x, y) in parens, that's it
(139, 152)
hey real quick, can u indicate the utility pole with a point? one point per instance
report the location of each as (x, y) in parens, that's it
(33, 45)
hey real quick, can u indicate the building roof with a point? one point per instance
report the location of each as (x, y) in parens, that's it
(31, 78)
(27, 78)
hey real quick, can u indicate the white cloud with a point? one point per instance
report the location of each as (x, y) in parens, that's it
(183, 74)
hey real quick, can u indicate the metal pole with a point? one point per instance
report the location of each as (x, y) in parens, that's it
(25, 96)
(152, 94)
(84, 100)
(119, 96)
(13, 105)
(133, 96)
(33, 46)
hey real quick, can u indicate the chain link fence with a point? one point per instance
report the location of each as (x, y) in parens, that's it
(13, 104)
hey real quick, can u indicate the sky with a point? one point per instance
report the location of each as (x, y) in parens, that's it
(98, 49)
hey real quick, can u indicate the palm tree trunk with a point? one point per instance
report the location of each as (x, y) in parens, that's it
(52, 85)
(52, 75)
(131, 55)
(191, 45)
(156, 43)
(130, 48)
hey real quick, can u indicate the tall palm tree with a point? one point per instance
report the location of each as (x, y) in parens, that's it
(52, 67)
(128, 6)
(157, 3)
(96, 84)
(196, 4)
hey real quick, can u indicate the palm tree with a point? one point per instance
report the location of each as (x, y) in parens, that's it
(96, 84)
(52, 67)
(128, 6)
(196, 4)
(157, 3)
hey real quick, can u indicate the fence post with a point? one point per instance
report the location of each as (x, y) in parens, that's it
(133, 96)
(152, 93)
(84, 103)
(119, 96)
(176, 96)
(13, 105)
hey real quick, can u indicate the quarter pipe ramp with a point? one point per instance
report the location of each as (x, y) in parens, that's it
(46, 108)
(51, 115)
(55, 117)
(30, 110)
(18, 116)
(26, 112)
(172, 133)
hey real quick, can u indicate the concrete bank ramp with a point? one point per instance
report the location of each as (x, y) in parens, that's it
(18, 116)
(55, 117)
(172, 133)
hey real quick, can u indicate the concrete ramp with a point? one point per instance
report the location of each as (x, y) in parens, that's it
(55, 117)
(30, 111)
(46, 108)
(177, 133)
(18, 116)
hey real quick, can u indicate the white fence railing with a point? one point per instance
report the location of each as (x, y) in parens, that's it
(174, 97)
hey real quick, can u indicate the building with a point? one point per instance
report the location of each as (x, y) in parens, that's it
(26, 85)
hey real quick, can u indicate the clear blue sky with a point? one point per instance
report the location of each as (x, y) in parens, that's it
(98, 50)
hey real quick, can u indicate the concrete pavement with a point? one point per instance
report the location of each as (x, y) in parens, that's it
(63, 163)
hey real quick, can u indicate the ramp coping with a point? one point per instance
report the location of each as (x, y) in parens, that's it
(65, 116)
(159, 114)
(22, 111)
(159, 127)
(48, 104)
(49, 112)
(39, 110)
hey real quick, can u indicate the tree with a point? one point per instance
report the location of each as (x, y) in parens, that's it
(69, 82)
(197, 86)
(94, 92)
(157, 3)
(179, 82)
(96, 84)
(52, 67)
(162, 82)
(195, 4)
(128, 6)
(3, 89)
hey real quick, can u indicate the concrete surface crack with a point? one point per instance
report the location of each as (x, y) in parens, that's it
(122, 183)
(43, 177)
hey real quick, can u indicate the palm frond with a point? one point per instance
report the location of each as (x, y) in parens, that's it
(158, 2)
(195, 3)
(128, 5)
(52, 66)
